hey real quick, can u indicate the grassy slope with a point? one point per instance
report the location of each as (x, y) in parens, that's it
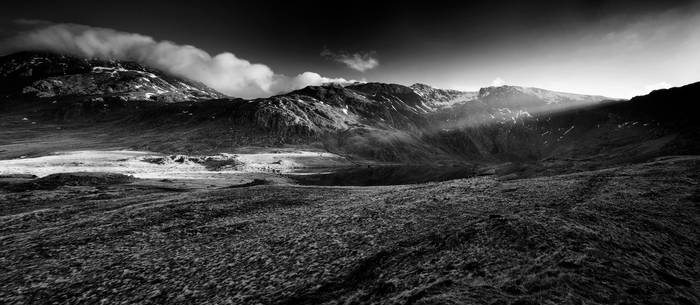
(618, 235)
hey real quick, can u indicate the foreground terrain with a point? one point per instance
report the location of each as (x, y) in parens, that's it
(619, 235)
(123, 184)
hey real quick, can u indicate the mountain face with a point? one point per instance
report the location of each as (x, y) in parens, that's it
(535, 96)
(442, 98)
(508, 104)
(48, 75)
(370, 121)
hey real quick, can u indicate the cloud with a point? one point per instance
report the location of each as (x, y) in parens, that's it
(224, 72)
(284, 83)
(644, 90)
(498, 82)
(651, 87)
(657, 86)
(361, 61)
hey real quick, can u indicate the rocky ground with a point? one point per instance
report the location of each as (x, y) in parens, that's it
(624, 235)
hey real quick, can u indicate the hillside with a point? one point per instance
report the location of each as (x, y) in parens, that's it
(119, 187)
(145, 109)
(621, 235)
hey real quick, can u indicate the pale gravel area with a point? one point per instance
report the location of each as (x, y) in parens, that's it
(133, 163)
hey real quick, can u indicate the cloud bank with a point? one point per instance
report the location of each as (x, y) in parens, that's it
(357, 61)
(224, 72)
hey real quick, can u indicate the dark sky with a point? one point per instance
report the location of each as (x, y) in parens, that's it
(460, 44)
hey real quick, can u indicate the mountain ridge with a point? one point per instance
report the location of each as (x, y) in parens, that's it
(373, 121)
(48, 75)
(70, 65)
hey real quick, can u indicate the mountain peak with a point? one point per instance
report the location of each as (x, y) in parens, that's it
(526, 93)
(323, 92)
(48, 75)
(421, 86)
(441, 98)
(375, 88)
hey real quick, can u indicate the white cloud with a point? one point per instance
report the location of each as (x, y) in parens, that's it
(651, 87)
(224, 72)
(498, 82)
(644, 90)
(362, 61)
(284, 83)
(657, 86)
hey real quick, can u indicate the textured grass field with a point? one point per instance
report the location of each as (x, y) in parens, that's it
(621, 235)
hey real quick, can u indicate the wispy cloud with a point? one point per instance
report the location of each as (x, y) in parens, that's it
(657, 86)
(361, 61)
(498, 82)
(224, 72)
(651, 87)
(645, 89)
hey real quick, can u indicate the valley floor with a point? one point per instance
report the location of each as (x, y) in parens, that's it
(620, 235)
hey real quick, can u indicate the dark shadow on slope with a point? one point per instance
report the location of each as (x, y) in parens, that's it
(55, 181)
(386, 175)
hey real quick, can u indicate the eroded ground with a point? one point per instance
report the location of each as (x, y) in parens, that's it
(621, 235)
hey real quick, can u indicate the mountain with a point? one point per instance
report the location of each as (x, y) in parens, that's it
(48, 75)
(147, 109)
(442, 98)
(590, 136)
(535, 96)
(508, 103)
(501, 96)
(386, 106)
